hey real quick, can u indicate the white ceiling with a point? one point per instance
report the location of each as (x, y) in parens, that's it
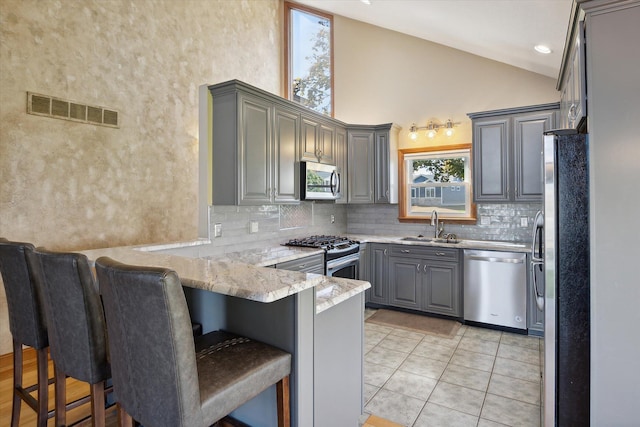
(502, 30)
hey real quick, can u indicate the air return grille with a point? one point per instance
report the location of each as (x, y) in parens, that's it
(43, 105)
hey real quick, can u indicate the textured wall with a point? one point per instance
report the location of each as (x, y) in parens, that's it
(68, 185)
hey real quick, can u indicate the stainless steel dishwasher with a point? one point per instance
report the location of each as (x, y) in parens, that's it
(495, 288)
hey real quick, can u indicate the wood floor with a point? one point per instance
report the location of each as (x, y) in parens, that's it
(75, 390)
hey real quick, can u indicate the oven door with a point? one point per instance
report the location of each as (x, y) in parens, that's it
(346, 266)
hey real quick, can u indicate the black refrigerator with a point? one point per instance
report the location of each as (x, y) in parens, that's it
(561, 248)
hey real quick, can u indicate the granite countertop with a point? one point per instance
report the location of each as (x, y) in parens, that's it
(225, 277)
(462, 244)
(268, 256)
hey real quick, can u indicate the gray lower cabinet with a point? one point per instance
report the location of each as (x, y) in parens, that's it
(416, 277)
(310, 264)
(378, 274)
(507, 153)
(406, 284)
(442, 291)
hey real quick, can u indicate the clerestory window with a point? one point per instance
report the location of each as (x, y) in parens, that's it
(309, 57)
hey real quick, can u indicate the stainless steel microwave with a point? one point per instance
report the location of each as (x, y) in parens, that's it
(319, 181)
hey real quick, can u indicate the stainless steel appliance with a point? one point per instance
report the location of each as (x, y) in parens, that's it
(342, 255)
(495, 288)
(319, 181)
(566, 378)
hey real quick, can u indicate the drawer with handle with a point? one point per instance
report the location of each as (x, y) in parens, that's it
(432, 252)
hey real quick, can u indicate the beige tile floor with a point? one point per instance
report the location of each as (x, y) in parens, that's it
(482, 377)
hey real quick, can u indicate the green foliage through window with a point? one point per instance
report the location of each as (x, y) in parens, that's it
(310, 68)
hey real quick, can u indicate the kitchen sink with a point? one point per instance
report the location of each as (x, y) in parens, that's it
(429, 239)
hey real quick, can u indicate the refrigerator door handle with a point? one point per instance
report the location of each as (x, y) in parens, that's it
(539, 296)
(536, 242)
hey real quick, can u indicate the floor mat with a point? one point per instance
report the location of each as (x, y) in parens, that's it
(415, 322)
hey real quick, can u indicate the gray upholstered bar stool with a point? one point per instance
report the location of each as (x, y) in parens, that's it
(159, 378)
(76, 326)
(27, 326)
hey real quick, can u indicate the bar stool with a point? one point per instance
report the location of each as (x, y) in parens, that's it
(76, 326)
(159, 377)
(27, 326)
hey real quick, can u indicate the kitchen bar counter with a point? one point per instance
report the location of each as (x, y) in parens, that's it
(232, 278)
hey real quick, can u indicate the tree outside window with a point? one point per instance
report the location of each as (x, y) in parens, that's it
(309, 71)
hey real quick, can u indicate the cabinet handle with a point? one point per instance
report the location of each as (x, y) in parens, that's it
(418, 268)
(385, 252)
(425, 268)
(386, 193)
(440, 254)
(405, 251)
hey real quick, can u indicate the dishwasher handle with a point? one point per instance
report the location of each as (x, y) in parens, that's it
(495, 259)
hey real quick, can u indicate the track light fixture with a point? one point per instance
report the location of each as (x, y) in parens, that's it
(432, 129)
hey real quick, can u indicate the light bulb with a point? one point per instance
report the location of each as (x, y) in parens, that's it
(431, 130)
(449, 128)
(413, 132)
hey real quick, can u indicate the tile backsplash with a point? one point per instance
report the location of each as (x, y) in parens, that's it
(275, 224)
(495, 222)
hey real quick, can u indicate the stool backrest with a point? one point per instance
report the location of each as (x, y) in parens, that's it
(77, 330)
(26, 314)
(151, 344)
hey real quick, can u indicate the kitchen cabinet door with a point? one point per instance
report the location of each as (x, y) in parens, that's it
(255, 138)
(382, 169)
(341, 164)
(326, 145)
(528, 155)
(405, 282)
(361, 166)
(491, 160)
(285, 173)
(317, 142)
(442, 288)
(507, 153)
(378, 274)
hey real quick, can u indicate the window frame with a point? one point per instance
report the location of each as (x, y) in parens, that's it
(288, 7)
(403, 215)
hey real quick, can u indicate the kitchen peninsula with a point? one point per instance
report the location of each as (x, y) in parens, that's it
(318, 319)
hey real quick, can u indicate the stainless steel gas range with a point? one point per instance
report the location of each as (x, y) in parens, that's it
(341, 255)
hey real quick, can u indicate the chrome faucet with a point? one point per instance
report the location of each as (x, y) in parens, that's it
(439, 226)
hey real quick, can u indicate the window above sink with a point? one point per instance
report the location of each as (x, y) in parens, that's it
(436, 179)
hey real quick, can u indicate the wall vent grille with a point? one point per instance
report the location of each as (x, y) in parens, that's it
(49, 106)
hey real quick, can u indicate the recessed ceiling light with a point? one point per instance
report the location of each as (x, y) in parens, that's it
(367, 2)
(542, 49)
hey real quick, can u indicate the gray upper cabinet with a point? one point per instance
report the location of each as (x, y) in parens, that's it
(373, 163)
(286, 174)
(341, 164)
(528, 154)
(259, 140)
(361, 160)
(491, 160)
(318, 143)
(254, 148)
(507, 153)
(573, 88)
